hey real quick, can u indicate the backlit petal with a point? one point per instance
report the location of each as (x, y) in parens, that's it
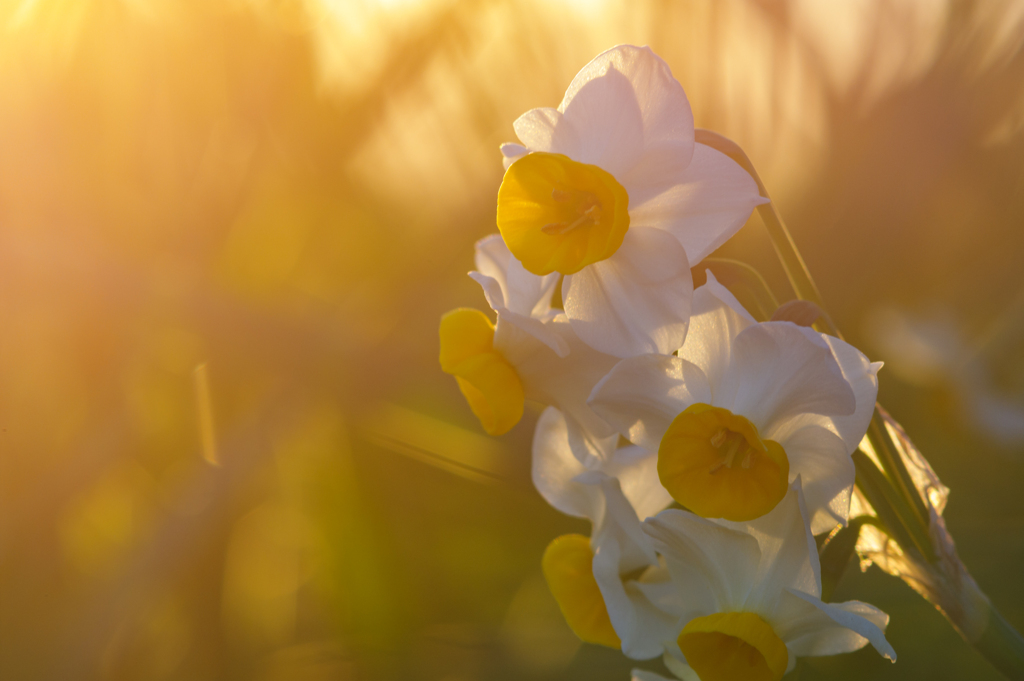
(825, 467)
(608, 121)
(519, 297)
(788, 557)
(705, 204)
(642, 395)
(511, 152)
(811, 627)
(621, 546)
(637, 471)
(545, 129)
(563, 382)
(862, 375)
(713, 566)
(626, 101)
(778, 372)
(555, 467)
(716, 319)
(521, 292)
(637, 301)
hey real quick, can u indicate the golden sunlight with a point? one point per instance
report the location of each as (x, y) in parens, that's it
(228, 229)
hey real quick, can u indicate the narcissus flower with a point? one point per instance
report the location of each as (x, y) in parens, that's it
(749, 597)
(531, 353)
(611, 191)
(743, 409)
(607, 585)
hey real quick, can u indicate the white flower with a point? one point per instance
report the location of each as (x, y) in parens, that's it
(531, 353)
(611, 190)
(744, 409)
(748, 596)
(614, 492)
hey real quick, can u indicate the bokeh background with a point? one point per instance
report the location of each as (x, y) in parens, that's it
(228, 229)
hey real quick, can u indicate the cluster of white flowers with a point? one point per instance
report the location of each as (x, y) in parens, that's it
(659, 393)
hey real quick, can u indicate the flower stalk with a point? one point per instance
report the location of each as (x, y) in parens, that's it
(908, 537)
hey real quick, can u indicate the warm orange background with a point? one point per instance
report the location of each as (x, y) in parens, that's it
(287, 193)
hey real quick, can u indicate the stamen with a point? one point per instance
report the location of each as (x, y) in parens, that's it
(561, 195)
(560, 228)
(553, 228)
(730, 446)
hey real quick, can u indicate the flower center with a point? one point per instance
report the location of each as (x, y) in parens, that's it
(568, 569)
(733, 449)
(559, 215)
(587, 207)
(488, 382)
(715, 463)
(734, 646)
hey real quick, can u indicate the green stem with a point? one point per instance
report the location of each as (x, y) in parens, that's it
(805, 289)
(796, 270)
(743, 281)
(896, 470)
(890, 490)
(883, 499)
(1003, 646)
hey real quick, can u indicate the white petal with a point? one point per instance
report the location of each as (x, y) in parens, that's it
(508, 159)
(521, 292)
(513, 150)
(555, 467)
(810, 627)
(637, 471)
(563, 382)
(822, 461)
(510, 153)
(788, 555)
(712, 566)
(717, 319)
(657, 602)
(622, 522)
(493, 290)
(656, 170)
(608, 121)
(635, 302)
(652, 630)
(642, 395)
(620, 546)
(778, 372)
(529, 294)
(624, 103)
(520, 298)
(490, 255)
(862, 375)
(819, 446)
(547, 130)
(540, 330)
(705, 205)
(590, 448)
